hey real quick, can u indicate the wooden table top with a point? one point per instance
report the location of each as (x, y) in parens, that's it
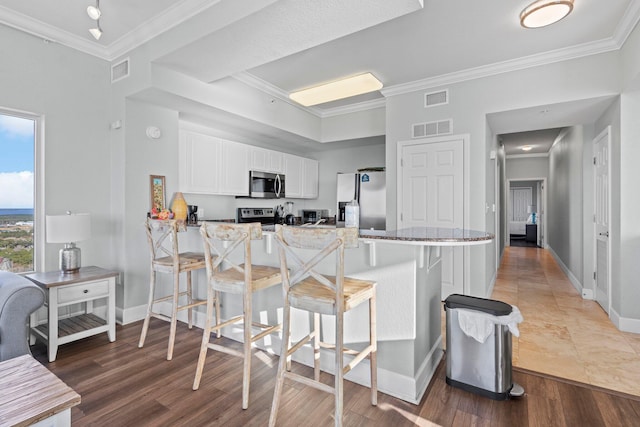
(57, 278)
(29, 392)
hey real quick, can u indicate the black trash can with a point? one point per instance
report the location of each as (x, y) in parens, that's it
(480, 367)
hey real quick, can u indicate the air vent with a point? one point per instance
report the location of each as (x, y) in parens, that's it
(442, 127)
(120, 70)
(436, 98)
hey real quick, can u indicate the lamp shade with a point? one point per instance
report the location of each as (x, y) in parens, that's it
(531, 208)
(68, 228)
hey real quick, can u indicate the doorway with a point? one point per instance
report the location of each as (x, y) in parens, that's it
(526, 202)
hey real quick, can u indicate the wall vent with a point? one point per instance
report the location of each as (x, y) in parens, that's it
(423, 130)
(120, 70)
(436, 98)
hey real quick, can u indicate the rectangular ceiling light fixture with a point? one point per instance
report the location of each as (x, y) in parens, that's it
(339, 89)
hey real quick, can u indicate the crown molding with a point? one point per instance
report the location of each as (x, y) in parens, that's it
(630, 19)
(171, 17)
(49, 33)
(354, 108)
(550, 57)
(271, 90)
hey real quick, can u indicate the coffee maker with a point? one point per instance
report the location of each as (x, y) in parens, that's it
(192, 216)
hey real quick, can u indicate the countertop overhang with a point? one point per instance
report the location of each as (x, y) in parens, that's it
(429, 236)
(419, 236)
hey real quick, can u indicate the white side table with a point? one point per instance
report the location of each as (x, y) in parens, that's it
(85, 286)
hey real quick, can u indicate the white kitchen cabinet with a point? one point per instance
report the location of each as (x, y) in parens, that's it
(210, 165)
(309, 179)
(234, 171)
(293, 176)
(301, 176)
(267, 160)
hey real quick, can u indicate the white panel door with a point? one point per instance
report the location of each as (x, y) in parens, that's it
(601, 146)
(433, 195)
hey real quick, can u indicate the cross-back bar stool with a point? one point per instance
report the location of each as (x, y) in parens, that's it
(305, 288)
(162, 236)
(231, 244)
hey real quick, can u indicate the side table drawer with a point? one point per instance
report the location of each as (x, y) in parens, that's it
(83, 291)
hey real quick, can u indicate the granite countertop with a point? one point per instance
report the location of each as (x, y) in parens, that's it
(430, 235)
(421, 236)
(433, 236)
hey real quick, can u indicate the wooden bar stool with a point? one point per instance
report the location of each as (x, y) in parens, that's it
(221, 242)
(307, 289)
(162, 236)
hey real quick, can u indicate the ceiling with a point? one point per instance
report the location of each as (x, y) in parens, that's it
(441, 42)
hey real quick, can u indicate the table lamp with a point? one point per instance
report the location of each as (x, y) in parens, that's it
(69, 229)
(531, 210)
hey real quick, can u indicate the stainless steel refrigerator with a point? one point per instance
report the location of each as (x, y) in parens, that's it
(369, 189)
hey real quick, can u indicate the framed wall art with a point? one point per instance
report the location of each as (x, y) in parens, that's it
(158, 198)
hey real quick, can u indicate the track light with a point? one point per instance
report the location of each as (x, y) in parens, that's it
(96, 32)
(94, 11)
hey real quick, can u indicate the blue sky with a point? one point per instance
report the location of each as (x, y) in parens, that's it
(16, 162)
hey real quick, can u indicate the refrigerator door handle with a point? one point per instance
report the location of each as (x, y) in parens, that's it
(356, 196)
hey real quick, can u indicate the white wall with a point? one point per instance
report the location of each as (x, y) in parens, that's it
(626, 255)
(527, 167)
(69, 90)
(564, 195)
(625, 303)
(469, 103)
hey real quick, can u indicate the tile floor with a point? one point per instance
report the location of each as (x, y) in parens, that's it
(562, 334)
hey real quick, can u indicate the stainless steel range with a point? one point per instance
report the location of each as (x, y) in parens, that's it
(261, 215)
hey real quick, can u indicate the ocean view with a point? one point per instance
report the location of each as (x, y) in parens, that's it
(4, 212)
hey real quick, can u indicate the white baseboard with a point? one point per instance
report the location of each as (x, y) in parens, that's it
(588, 294)
(407, 388)
(625, 324)
(492, 284)
(133, 314)
(573, 279)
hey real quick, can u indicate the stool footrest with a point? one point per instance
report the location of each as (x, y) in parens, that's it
(362, 355)
(224, 349)
(269, 330)
(310, 382)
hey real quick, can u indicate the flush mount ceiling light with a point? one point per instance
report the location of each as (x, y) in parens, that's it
(541, 13)
(339, 89)
(526, 147)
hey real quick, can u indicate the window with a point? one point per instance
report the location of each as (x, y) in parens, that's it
(18, 158)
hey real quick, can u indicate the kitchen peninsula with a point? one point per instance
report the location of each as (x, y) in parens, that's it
(406, 265)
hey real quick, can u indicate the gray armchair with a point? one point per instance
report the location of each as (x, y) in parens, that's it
(18, 299)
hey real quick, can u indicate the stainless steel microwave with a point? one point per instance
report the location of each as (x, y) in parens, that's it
(266, 185)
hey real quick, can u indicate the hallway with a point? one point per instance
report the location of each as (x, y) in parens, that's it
(562, 334)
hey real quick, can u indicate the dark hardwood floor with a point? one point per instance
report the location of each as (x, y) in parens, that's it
(122, 385)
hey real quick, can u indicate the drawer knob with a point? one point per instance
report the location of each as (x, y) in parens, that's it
(86, 291)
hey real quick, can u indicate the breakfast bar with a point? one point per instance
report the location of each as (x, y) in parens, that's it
(406, 266)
